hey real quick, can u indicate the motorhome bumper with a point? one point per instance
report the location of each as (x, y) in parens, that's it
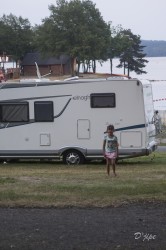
(151, 149)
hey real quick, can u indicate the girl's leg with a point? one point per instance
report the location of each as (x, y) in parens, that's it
(108, 166)
(113, 162)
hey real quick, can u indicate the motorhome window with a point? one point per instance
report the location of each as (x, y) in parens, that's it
(14, 112)
(102, 100)
(44, 111)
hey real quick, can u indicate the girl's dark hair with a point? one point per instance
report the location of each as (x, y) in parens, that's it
(110, 127)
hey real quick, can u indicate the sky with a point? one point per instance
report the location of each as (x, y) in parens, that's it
(146, 18)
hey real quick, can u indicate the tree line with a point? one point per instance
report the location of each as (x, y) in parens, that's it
(75, 28)
(154, 48)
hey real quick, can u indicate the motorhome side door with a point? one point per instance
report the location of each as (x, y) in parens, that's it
(83, 129)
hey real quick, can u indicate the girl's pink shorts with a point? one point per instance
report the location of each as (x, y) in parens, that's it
(112, 155)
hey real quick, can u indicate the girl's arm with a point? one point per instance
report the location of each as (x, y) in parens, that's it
(104, 143)
(117, 149)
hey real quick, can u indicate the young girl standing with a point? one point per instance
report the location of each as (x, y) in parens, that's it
(110, 149)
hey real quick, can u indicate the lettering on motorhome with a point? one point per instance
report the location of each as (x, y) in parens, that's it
(81, 98)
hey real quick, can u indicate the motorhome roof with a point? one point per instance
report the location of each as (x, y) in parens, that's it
(7, 85)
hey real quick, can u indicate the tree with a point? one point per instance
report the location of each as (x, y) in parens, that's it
(114, 48)
(132, 56)
(75, 28)
(16, 36)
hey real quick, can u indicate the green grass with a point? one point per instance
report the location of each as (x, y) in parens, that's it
(54, 184)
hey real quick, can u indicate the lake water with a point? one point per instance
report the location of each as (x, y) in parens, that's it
(155, 68)
(9, 65)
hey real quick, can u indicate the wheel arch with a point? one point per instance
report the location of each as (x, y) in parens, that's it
(83, 151)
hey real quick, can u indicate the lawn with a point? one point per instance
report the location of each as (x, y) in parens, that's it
(46, 184)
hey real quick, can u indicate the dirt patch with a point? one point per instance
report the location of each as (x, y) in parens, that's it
(134, 226)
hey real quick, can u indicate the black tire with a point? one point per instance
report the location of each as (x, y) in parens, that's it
(73, 157)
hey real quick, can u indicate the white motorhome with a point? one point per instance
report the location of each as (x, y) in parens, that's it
(67, 119)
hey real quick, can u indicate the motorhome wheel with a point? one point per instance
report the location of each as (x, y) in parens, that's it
(73, 157)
